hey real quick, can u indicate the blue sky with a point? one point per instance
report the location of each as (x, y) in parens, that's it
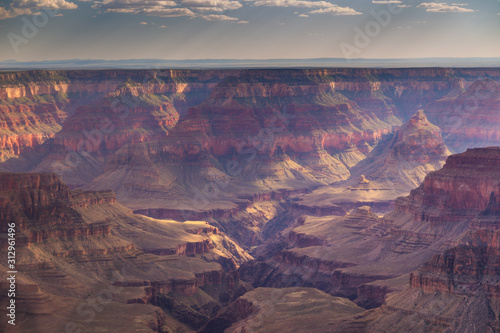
(247, 29)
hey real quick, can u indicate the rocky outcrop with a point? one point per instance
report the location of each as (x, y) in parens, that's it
(471, 267)
(458, 192)
(468, 269)
(24, 126)
(397, 165)
(457, 287)
(420, 141)
(38, 205)
(361, 256)
(129, 115)
(158, 137)
(387, 95)
(68, 238)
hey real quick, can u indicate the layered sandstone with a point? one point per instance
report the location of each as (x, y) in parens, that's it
(397, 165)
(362, 256)
(457, 287)
(455, 193)
(68, 238)
(26, 125)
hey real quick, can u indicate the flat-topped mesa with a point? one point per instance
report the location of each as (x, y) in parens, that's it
(456, 193)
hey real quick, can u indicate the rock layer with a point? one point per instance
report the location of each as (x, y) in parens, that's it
(71, 245)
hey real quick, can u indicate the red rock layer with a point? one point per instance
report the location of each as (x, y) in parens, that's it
(457, 192)
(472, 266)
(24, 126)
(40, 207)
(468, 269)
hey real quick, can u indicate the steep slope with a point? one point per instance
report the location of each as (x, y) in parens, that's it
(387, 93)
(260, 132)
(99, 251)
(129, 115)
(364, 257)
(470, 119)
(276, 310)
(396, 166)
(416, 149)
(456, 290)
(27, 123)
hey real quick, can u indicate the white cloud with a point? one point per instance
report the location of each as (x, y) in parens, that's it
(299, 3)
(168, 8)
(385, 2)
(242, 22)
(14, 12)
(143, 23)
(440, 7)
(33, 7)
(218, 18)
(326, 7)
(335, 11)
(168, 12)
(212, 5)
(162, 26)
(303, 15)
(162, 8)
(38, 4)
(132, 6)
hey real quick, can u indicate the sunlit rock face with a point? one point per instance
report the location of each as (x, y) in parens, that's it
(82, 239)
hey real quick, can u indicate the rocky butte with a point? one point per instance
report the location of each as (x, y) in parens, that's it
(218, 200)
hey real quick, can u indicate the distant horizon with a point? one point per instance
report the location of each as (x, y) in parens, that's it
(238, 59)
(431, 62)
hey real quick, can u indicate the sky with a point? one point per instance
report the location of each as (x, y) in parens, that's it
(35, 30)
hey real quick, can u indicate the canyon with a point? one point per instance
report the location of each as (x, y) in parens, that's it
(218, 200)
